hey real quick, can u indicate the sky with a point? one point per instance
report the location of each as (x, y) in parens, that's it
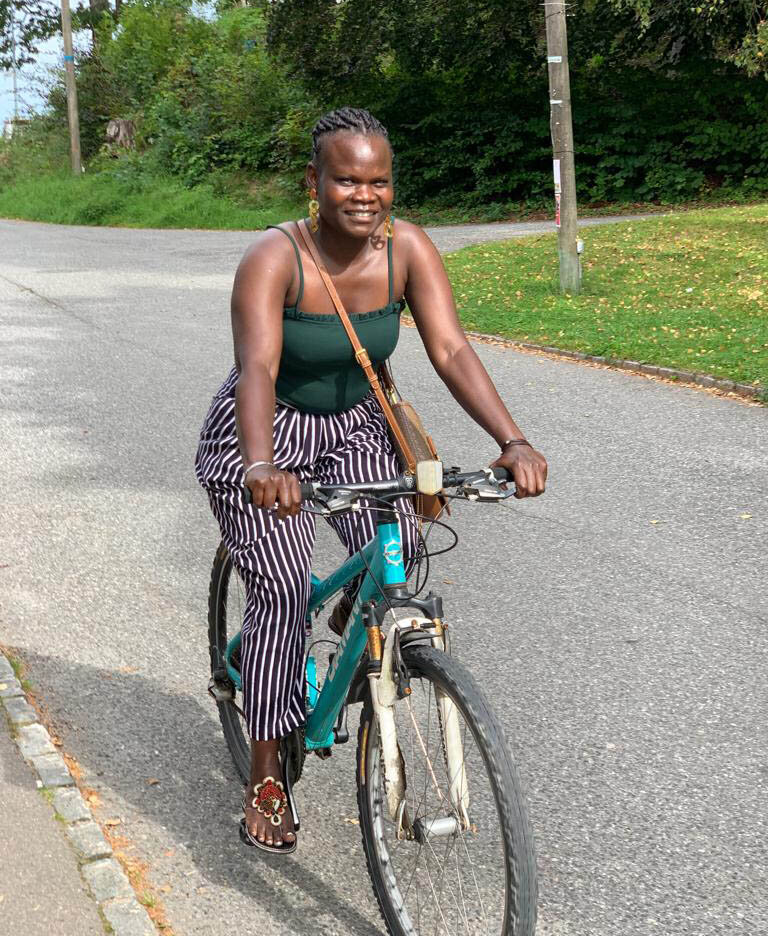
(50, 55)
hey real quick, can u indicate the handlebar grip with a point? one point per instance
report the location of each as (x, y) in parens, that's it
(501, 474)
(307, 492)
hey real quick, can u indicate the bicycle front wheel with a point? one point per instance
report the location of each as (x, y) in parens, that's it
(465, 867)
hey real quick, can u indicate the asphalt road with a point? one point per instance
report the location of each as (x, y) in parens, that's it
(618, 623)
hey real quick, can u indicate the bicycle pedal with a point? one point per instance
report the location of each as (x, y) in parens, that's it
(221, 691)
(323, 752)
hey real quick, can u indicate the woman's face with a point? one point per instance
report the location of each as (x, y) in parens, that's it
(354, 184)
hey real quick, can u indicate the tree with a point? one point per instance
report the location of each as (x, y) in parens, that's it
(30, 22)
(730, 30)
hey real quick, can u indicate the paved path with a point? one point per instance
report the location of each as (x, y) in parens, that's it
(41, 891)
(453, 237)
(627, 608)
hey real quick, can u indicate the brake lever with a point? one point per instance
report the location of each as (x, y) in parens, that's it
(487, 489)
(337, 504)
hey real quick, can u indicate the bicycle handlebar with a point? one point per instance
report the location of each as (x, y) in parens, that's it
(404, 484)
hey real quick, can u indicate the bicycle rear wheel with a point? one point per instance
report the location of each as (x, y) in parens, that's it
(476, 882)
(226, 604)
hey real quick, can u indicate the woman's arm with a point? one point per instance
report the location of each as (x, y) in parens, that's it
(430, 299)
(258, 295)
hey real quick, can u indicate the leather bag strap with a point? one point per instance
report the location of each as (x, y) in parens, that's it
(361, 355)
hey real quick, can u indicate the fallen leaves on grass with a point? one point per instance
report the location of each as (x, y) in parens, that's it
(687, 291)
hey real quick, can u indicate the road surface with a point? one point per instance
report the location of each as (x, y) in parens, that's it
(626, 609)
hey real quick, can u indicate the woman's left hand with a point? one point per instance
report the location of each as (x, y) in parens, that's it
(527, 467)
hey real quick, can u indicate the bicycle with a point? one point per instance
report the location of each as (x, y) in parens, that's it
(442, 856)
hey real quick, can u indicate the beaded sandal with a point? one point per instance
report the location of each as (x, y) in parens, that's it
(271, 799)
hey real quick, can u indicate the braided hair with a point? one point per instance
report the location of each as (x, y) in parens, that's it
(353, 119)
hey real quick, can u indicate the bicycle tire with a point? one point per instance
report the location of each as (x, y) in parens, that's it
(220, 632)
(518, 917)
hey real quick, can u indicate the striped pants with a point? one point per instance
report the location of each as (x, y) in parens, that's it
(274, 556)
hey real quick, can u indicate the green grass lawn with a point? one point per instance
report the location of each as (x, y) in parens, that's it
(688, 290)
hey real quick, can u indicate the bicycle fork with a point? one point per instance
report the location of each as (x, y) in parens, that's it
(386, 689)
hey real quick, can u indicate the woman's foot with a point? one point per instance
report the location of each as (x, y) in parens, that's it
(265, 763)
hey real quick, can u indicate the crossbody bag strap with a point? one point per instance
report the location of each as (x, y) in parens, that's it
(361, 355)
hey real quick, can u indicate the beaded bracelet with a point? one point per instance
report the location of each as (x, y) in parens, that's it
(256, 464)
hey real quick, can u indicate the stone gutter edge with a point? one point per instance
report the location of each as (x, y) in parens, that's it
(105, 879)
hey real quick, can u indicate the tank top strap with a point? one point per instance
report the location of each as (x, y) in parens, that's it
(277, 227)
(390, 271)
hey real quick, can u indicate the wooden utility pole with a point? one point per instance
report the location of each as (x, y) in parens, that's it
(15, 77)
(562, 146)
(69, 65)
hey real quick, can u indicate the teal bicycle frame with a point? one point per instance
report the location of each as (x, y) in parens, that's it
(382, 561)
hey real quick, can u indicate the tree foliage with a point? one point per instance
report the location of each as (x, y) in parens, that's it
(730, 30)
(28, 22)
(664, 107)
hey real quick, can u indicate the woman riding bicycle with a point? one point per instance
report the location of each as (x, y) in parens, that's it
(296, 405)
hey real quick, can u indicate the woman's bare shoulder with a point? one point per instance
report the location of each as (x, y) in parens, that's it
(416, 249)
(271, 254)
(414, 239)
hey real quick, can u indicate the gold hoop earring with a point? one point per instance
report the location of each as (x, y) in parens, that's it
(388, 226)
(314, 213)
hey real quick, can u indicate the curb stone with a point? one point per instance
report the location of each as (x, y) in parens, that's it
(10, 688)
(89, 843)
(33, 741)
(70, 805)
(127, 917)
(52, 770)
(20, 711)
(105, 878)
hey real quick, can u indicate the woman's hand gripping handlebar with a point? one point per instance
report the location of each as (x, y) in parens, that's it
(268, 487)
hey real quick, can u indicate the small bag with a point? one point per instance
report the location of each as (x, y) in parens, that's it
(408, 435)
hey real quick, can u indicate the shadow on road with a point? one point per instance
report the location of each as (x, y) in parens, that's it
(135, 735)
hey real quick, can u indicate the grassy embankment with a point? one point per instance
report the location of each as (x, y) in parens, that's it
(687, 291)
(140, 201)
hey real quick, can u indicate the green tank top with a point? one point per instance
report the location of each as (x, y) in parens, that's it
(318, 371)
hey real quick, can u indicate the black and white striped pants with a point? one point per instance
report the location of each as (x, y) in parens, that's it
(274, 556)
